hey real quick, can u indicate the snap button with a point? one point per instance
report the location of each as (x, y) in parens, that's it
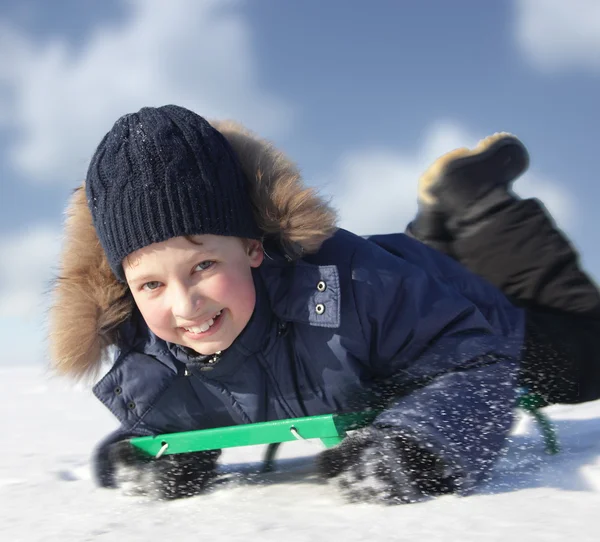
(118, 390)
(320, 308)
(131, 405)
(321, 286)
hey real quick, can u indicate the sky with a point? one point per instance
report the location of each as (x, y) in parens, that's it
(362, 95)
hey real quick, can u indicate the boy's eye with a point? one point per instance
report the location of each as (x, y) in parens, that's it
(151, 286)
(202, 266)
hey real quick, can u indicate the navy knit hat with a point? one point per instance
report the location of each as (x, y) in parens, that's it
(161, 173)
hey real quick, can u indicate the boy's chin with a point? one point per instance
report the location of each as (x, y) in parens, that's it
(208, 348)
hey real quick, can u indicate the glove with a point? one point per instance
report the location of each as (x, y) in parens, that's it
(376, 465)
(169, 477)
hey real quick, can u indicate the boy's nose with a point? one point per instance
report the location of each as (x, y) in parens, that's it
(186, 304)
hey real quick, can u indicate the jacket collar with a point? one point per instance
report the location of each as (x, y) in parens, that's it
(302, 292)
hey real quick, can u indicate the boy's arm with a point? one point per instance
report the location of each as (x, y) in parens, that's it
(449, 379)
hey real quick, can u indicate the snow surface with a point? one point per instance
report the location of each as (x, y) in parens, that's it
(50, 426)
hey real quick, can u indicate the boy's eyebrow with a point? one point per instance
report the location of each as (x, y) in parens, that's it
(205, 252)
(143, 278)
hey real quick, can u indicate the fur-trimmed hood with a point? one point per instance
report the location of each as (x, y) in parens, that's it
(89, 302)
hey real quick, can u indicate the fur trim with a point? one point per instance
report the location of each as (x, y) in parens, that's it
(89, 302)
(287, 209)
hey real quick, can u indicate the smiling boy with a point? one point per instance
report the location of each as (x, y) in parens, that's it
(231, 297)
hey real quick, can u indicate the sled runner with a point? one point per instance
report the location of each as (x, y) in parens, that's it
(329, 428)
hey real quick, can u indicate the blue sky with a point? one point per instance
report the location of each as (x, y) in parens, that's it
(363, 95)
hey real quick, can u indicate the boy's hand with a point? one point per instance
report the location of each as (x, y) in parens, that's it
(378, 466)
(169, 477)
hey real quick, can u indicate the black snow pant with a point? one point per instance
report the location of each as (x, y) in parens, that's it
(515, 245)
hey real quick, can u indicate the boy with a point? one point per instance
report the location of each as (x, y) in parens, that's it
(231, 297)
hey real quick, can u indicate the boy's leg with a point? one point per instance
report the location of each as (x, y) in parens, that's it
(517, 247)
(515, 244)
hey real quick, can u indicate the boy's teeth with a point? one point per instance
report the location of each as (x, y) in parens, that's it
(204, 327)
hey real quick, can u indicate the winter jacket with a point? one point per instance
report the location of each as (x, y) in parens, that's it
(341, 323)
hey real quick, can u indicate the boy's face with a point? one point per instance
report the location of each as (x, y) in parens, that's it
(198, 294)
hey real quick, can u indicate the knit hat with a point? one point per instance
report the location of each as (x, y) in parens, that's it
(161, 173)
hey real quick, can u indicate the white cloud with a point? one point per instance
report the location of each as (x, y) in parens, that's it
(196, 53)
(28, 264)
(29, 260)
(559, 34)
(375, 190)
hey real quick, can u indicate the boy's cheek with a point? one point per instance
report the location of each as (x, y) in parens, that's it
(243, 300)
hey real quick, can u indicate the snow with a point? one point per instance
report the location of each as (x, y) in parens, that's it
(49, 427)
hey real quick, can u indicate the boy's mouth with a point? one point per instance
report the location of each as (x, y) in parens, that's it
(197, 330)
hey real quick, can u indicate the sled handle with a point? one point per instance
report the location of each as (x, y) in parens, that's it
(329, 428)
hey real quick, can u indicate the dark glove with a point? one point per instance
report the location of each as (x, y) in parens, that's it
(379, 466)
(169, 477)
